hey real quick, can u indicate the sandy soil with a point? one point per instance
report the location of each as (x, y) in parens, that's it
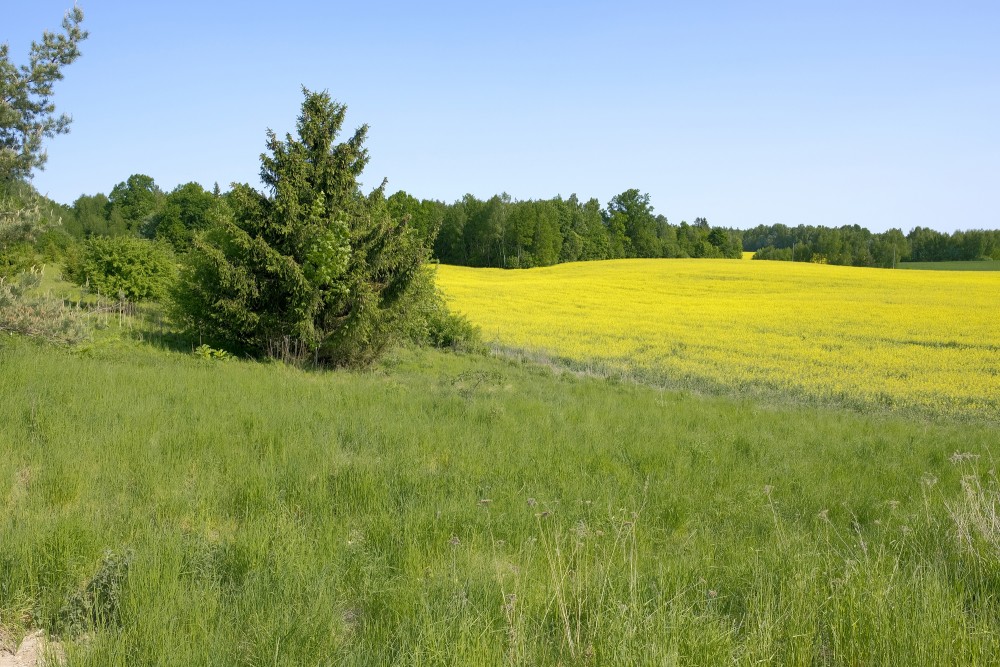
(35, 651)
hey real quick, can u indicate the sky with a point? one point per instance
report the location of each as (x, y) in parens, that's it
(882, 114)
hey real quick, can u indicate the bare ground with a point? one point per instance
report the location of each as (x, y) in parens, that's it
(35, 651)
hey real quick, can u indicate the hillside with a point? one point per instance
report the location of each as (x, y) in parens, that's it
(469, 510)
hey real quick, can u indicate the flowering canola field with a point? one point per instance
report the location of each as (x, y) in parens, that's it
(928, 340)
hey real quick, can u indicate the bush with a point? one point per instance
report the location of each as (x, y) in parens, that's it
(99, 603)
(55, 245)
(17, 258)
(447, 329)
(123, 265)
(209, 353)
(21, 221)
(435, 324)
(770, 252)
(40, 316)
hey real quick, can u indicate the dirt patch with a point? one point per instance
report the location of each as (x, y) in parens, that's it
(35, 651)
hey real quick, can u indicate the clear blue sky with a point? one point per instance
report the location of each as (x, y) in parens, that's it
(884, 114)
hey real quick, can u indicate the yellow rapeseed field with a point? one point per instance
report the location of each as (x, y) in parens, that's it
(913, 339)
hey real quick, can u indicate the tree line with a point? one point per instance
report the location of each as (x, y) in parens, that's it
(497, 232)
(505, 233)
(853, 245)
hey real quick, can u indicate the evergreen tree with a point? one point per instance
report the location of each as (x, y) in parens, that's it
(312, 268)
(27, 114)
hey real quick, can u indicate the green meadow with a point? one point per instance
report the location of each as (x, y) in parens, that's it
(256, 428)
(461, 509)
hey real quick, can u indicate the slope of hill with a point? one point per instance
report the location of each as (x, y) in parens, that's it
(161, 509)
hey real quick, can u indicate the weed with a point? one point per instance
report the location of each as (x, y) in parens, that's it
(98, 604)
(209, 353)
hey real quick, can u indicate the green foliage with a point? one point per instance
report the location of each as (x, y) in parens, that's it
(313, 269)
(17, 258)
(449, 245)
(24, 311)
(209, 353)
(588, 223)
(504, 233)
(123, 265)
(532, 234)
(138, 207)
(21, 219)
(853, 245)
(981, 265)
(433, 323)
(486, 230)
(927, 245)
(29, 225)
(29, 235)
(29, 231)
(772, 253)
(55, 245)
(450, 330)
(134, 203)
(27, 113)
(98, 605)
(426, 216)
(632, 210)
(90, 218)
(185, 211)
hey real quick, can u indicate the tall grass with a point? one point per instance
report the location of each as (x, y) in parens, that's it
(163, 509)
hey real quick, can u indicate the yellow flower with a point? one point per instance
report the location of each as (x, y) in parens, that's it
(899, 339)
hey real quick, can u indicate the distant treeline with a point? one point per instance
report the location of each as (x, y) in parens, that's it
(856, 246)
(138, 207)
(498, 232)
(506, 233)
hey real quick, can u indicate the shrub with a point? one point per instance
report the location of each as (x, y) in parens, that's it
(123, 265)
(21, 222)
(99, 603)
(209, 353)
(40, 316)
(770, 252)
(17, 258)
(434, 324)
(55, 245)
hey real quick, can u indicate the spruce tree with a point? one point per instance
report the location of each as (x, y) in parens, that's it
(312, 268)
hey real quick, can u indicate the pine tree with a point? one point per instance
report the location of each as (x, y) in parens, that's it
(312, 268)
(27, 114)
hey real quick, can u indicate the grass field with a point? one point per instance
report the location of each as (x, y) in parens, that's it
(162, 509)
(441, 509)
(870, 338)
(952, 266)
